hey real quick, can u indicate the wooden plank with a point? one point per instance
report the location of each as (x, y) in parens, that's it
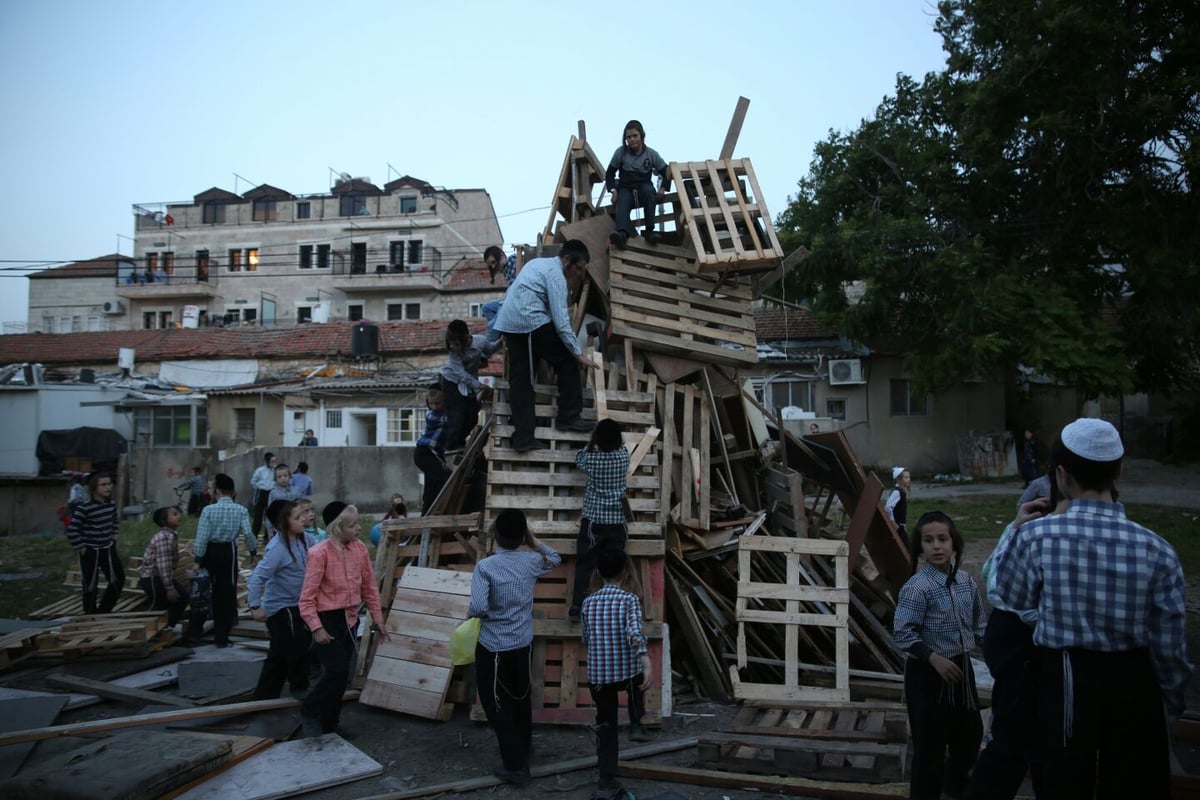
(792, 786)
(112, 691)
(735, 128)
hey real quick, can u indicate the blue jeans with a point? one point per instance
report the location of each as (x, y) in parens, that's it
(649, 204)
(490, 311)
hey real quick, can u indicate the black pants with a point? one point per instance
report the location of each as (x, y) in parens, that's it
(941, 718)
(649, 204)
(462, 412)
(220, 559)
(1007, 648)
(589, 542)
(258, 510)
(287, 658)
(436, 474)
(525, 350)
(93, 561)
(324, 701)
(1117, 747)
(156, 593)
(605, 698)
(503, 683)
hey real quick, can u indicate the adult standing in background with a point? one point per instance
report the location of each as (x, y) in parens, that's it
(302, 485)
(536, 324)
(1029, 458)
(262, 482)
(309, 439)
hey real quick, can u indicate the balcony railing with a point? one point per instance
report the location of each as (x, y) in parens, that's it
(180, 281)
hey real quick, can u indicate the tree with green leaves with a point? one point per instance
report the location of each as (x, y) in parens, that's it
(1033, 203)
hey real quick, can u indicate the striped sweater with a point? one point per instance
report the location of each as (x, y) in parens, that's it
(93, 525)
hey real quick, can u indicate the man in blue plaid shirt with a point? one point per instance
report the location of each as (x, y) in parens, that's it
(1110, 632)
(617, 661)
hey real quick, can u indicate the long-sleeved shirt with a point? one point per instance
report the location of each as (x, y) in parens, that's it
(263, 478)
(635, 169)
(933, 617)
(339, 578)
(278, 492)
(221, 522)
(606, 482)
(462, 368)
(537, 297)
(502, 595)
(434, 436)
(612, 630)
(301, 485)
(93, 524)
(276, 581)
(160, 557)
(1101, 582)
(195, 484)
(1027, 615)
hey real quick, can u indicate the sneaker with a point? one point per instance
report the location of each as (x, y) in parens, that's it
(532, 444)
(638, 733)
(617, 239)
(517, 777)
(577, 425)
(653, 237)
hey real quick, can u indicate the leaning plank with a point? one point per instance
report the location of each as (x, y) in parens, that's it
(162, 717)
(539, 771)
(804, 787)
(113, 691)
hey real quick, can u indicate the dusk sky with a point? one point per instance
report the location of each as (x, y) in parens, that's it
(114, 103)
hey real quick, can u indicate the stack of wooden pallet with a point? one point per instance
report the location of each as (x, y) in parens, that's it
(121, 635)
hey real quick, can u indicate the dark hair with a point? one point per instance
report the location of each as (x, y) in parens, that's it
(457, 331)
(223, 483)
(160, 516)
(1092, 476)
(93, 480)
(267, 458)
(607, 434)
(282, 466)
(278, 512)
(499, 254)
(610, 562)
(956, 539)
(575, 252)
(302, 466)
(510, 528)
(637, 126)
(197, 470)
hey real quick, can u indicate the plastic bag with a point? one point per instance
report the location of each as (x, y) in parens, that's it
(463, 641)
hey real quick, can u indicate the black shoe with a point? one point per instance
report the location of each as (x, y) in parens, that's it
(532, 444)
(578, 425)
(638, 733)
(653, 237)
(617, 239)
(517, 777)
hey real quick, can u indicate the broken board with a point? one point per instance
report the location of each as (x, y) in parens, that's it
(22, 713)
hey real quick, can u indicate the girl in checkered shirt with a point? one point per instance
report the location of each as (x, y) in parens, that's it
(939, 621)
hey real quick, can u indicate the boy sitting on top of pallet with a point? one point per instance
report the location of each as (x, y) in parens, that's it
(635, 164)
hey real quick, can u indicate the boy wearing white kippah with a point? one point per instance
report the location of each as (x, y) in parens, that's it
(1110, 632)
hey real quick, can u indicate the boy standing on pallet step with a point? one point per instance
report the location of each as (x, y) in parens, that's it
(617, 661)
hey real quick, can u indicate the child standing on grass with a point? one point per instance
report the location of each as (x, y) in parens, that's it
(337, 580)
(605, 461)
(216, 550)
(460, 381)
(160, 575)
(273, 595)
(92, 533)
(617, 661)
(939, 621)
(897, 502)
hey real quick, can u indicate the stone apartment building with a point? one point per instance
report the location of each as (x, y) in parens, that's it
(406, 251)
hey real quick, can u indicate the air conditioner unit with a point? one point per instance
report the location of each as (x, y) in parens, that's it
(112, 307)
(844, 371)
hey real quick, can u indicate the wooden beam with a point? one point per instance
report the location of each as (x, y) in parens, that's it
(837, 790)
(112, 691)
(735, 128)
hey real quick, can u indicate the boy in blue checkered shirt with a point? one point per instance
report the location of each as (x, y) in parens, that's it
(617, 661)
(605, 461)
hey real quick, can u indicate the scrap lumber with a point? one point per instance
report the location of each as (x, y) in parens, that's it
(240, 749)
(18, 646)
(112, 691)
(800, 787)
(735, 128)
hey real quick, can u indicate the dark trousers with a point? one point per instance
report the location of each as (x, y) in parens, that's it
(93, 561)
(941, 718)
(258, 510)
(605, 697)
(503, 683)
(524, 352)
(461, 414)
(156, 593)
(436, 474)
(324, 701)
(1117, 747)
(1007, 648)
(649, 204)
(593, 538)
(287, 658)
(220, 559)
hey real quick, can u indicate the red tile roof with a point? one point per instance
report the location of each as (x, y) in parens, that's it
(100, 267)
(783, 324)
(472, 276)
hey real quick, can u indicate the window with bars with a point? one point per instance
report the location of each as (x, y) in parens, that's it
(333, 418)
(905, 401)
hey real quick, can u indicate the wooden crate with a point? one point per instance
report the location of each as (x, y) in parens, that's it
(660, 303)
(852, 741)
(17, 646)
(108, 635)
(725, 217)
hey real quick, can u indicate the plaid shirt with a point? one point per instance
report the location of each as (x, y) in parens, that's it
(502, 595)
(1028, 615)
(220, 522)
(161, 554)
(931, 617)
(605, 470)
(1101, 582)
(509, 270)
(434, 436)
(339, 578)
(612, 631)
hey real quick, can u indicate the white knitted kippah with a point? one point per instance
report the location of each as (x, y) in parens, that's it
(1093, 439)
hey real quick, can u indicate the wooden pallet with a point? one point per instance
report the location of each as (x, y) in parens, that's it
(660, 303)
(114, 635)
(72, 606)
(725, 217)
(18, 646)
(687, 455)
(852, 741)
(581, 171)
(412, 672)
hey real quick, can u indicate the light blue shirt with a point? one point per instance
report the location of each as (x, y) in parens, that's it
(537, 297)
(502, 595)
(276, 581)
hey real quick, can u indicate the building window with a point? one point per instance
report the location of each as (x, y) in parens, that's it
(906, 402)
(333, 418)
(303, 313)
(475, 310)
(396, 255)
(235, 261)
(243, 421)
(249, 316)
(148, 320)
(306, 256)
(353, 205)
(323, 256)
(214, 212)
(403, 311)
(415, 252)
(304, 210)
(298, 422)
(408, 205)
(47, 324)
(171, 426)
(404, 425)
(168, 262)
(252, 259)
(358, 258)
(265, 210)
(164, 319)
(151, 262)
(436, 260)
(785, 390)
(835, 409)
(202, 265)
(354, 312)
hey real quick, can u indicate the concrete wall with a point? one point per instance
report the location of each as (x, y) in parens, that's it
(28, 412)
(28, 505)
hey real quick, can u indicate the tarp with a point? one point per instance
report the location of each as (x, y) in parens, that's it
(212, 374)
(103, 447)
